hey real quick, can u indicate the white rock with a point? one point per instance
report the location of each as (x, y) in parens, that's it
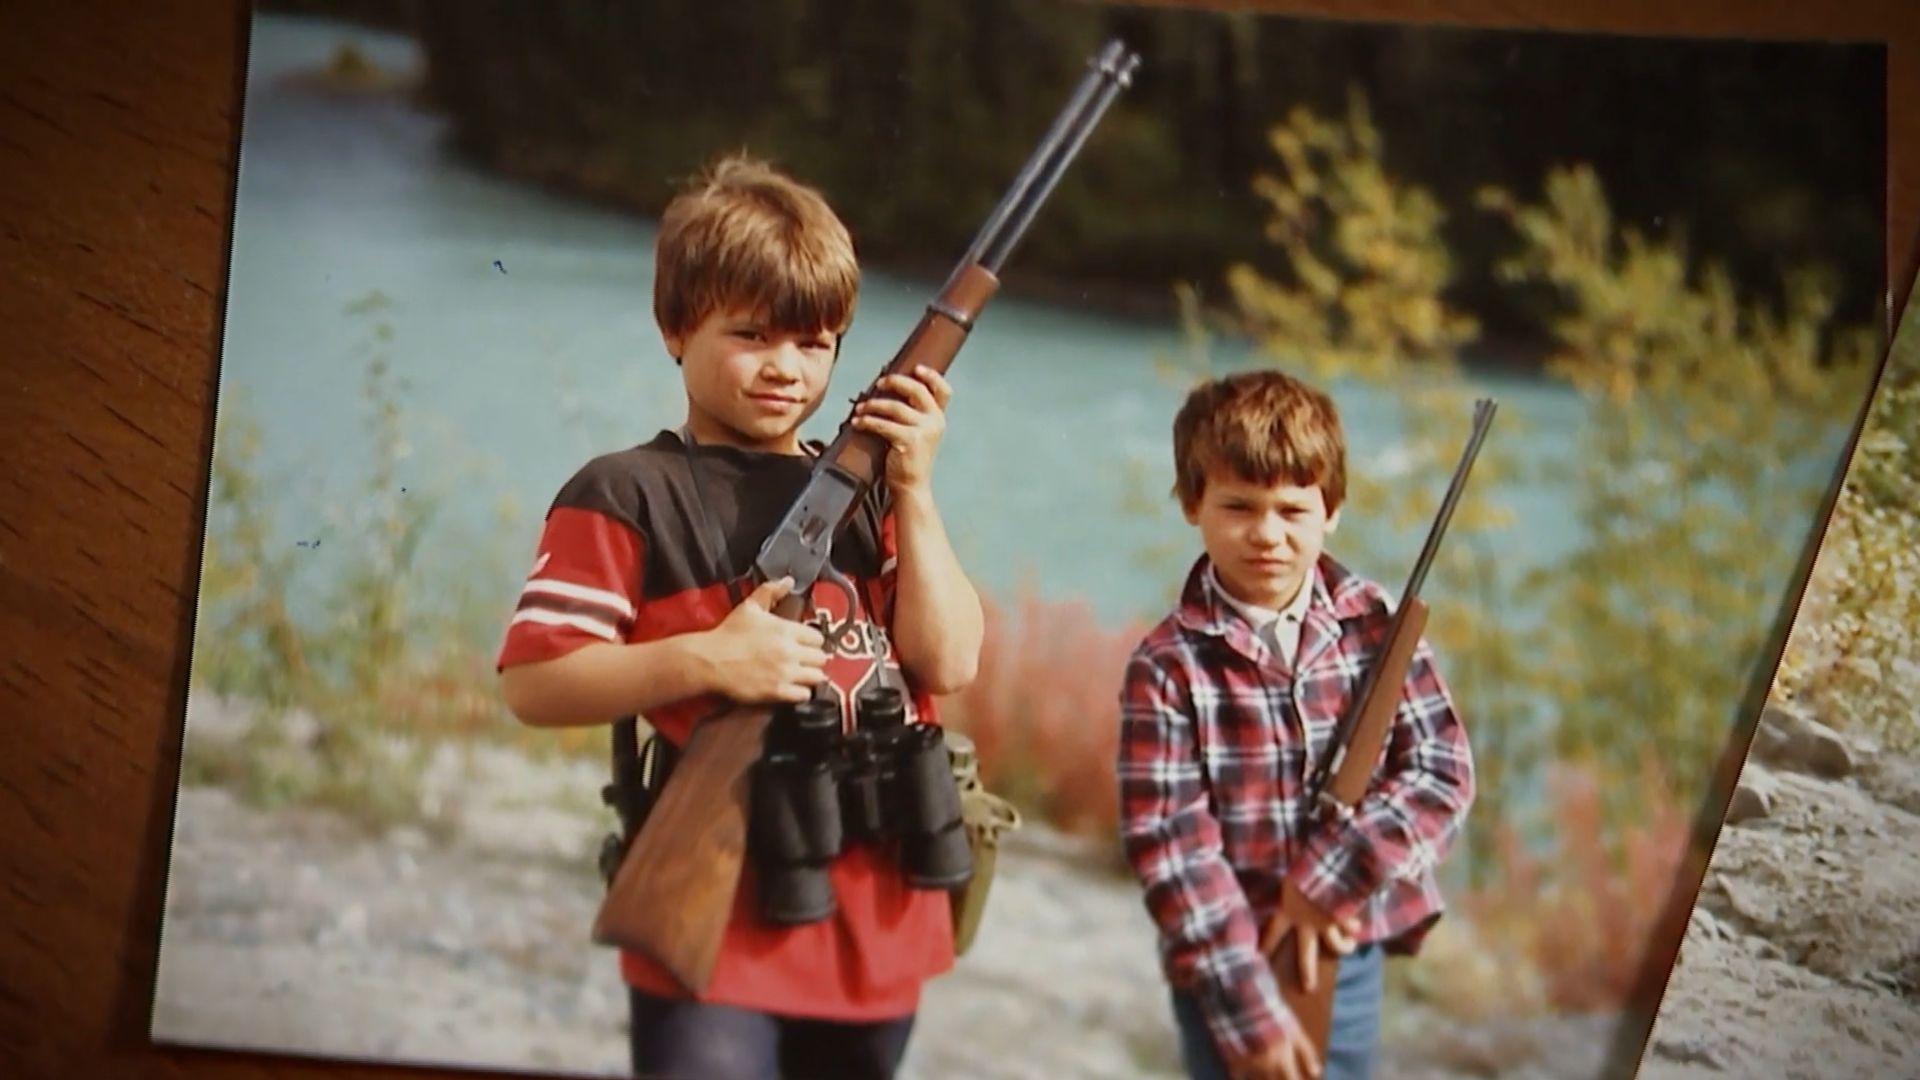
(1753, 795)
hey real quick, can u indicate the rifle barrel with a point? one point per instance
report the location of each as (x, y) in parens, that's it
(1112, 71)
(1063, 122)
(799, 545)
(1482, 417)
(1343, 731)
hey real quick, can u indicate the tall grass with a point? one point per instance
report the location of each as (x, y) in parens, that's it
(1044, 712)
(1854, 656)
(1580, 915)
(353, 647)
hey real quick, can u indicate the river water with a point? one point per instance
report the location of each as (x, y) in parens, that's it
(519, 326)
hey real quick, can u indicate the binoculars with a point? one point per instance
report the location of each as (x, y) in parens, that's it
(817, 789)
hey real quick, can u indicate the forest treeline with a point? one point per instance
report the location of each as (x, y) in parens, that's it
(914, 114)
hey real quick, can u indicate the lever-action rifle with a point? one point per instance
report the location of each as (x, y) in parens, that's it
(1357, 741)
(674, 890)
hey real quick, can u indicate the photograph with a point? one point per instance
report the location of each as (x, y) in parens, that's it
(557, 335)
(1801, 957)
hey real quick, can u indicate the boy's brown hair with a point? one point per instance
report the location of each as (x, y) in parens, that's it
(1263, 426)
(743, 234)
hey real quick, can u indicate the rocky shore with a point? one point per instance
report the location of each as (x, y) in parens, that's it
(1802, 958)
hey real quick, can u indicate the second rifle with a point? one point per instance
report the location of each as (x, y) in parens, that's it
(1346, 769)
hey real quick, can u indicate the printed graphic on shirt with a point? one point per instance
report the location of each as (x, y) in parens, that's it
(859, 650)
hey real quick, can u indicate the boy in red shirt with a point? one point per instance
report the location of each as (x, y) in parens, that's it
(630, 610)
(1228, 705)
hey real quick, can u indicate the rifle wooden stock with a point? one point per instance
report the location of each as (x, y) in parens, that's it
(1314, 1008)
(674, 891)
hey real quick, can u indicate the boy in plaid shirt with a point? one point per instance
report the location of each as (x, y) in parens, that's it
(1229, 703)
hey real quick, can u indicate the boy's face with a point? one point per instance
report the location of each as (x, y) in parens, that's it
(748, 383)
(1263, 538)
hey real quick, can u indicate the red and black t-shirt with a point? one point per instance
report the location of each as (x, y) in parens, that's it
(631, 553)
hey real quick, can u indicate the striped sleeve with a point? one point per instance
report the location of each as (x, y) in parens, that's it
(584, 587)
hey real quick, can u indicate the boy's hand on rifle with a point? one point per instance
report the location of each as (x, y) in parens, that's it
(757, 657)
(1314, 929)
(1292, 1058)
(910, 423)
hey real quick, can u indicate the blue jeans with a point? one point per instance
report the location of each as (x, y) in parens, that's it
(686, 1040)
(1353, 1039)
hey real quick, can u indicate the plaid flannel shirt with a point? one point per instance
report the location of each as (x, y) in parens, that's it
(1217, 740)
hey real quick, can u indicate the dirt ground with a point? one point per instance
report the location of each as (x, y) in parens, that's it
(292, 931)
(1802, 958)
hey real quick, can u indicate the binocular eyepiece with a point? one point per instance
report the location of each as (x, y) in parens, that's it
(817, 789)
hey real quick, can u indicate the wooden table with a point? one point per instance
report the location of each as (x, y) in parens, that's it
(118, 129)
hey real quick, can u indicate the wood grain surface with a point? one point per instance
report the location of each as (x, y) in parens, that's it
(118, 130)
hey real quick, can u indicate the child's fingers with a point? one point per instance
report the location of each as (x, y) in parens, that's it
(889, 409)
(936, 382)
(813, 660)
(916, 389)
(1309, 955)
(898, 435)
(1270, 937)
(1339, 940)
(1306, 1060)
(771, 592)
